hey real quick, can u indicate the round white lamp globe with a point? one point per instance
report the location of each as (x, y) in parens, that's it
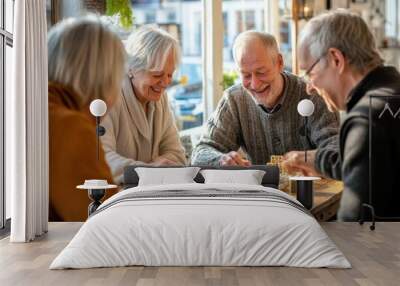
(305, 107)
(98, 107)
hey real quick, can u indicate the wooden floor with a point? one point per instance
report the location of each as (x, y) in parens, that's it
(375, 257)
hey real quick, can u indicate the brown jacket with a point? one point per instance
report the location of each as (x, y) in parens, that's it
(72, 137)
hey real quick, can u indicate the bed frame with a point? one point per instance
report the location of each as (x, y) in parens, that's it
(270, 179)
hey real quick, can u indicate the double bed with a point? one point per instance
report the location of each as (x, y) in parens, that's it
(201, 224)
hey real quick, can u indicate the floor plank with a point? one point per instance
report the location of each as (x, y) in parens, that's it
(375, 257)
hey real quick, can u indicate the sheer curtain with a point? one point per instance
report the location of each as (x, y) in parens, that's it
(27, 124)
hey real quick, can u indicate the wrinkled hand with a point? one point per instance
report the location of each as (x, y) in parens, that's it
(161, 161)
(233, 159)
(294, 162)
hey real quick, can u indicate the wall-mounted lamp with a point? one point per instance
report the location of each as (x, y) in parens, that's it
(98, 108)
(305, 108)
(305, 9)
(97, 188)
(304, 185)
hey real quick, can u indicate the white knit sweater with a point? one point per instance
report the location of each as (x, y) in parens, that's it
(134, 137)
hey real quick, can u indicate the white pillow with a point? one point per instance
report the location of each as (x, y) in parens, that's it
(248, 177)
(164, 176)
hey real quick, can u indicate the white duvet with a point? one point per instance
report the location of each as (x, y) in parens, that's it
(206, 230)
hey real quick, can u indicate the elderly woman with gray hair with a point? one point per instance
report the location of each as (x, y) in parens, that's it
(140, 127)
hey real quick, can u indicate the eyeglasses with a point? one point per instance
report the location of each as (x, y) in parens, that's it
(306, 75)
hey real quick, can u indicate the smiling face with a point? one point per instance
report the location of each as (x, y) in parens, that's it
(150, 85)
(326, 77)
(260, 71)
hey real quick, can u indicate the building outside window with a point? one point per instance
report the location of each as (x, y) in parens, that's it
(184, 19)
(240, 16)
(225, 21)
(285, 33)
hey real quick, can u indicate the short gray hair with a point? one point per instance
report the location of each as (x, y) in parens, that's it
(85, 55)
(268, 40)
(344, 31)
(148, 48)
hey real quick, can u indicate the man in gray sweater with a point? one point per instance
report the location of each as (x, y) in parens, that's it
(260, 114)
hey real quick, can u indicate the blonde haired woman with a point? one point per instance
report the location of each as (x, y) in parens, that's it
(86, 61)
(140, 127)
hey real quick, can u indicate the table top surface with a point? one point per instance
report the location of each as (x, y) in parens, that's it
(327, 192)
(374, 255)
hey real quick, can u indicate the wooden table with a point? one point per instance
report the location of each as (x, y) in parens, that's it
(374, 256)
(327, 194)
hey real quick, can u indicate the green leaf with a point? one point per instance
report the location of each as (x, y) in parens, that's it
(123, 8)
(229, 79)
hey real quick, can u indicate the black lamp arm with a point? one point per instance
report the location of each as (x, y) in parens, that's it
(305, 134)
(100, 131)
